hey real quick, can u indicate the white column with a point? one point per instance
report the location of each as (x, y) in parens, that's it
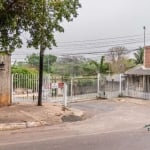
(98, 85)
(120, 87)
(127, 86)
(71, 92)
(12, 89)
(65, 94)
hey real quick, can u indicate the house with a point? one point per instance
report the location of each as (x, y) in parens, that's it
(138, 78)
(5, 79)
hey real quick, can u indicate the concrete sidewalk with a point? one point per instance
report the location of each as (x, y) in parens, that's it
(26, 115)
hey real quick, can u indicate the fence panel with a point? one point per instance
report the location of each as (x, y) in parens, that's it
(25, 88)
(109, 86)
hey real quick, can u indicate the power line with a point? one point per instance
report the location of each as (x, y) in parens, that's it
(95, 44)
(103, 46)
(81, 53)
(99, 45)
(103, 39)
(100, 52)
(101, 42)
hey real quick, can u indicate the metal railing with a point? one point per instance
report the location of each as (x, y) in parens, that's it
(25, 88)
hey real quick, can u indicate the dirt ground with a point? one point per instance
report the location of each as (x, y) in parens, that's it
(116, 124)
(52, 113)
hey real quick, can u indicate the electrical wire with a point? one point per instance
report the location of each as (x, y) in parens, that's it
(91, 46)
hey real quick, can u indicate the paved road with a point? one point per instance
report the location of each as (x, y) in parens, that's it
(114, 126)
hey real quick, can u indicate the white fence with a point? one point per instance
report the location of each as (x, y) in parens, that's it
(136, 94)
(25, 88)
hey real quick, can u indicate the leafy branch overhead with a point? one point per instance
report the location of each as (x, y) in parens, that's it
(40, 18)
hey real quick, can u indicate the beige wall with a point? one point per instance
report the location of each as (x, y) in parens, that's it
(5, 80)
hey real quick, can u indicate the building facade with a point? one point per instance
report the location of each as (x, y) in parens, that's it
(138, 78)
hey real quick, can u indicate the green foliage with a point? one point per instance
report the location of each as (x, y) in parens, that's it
(69, 66)
(99, 67)
(33, 60)
(139, 56)
(68, 69)
(89, 69)
(24, 76)
(76, 66)
(40, 18)
(85, 82)
(22, 70)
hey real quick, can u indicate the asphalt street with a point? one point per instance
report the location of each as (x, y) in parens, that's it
(111, 126)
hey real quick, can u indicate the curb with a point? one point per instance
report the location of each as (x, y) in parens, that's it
(14, 126)
(31, 124)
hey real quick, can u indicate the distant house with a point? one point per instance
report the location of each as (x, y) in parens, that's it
(138, 78)
(5, 79)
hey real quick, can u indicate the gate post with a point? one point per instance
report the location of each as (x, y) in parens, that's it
(98, 85)
(71, 90)
(120, 85)
(65, 94)
(12, 89)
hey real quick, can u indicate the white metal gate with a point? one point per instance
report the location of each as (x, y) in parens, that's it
(25, 89)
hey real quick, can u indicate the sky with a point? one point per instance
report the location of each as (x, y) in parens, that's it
(100, 25)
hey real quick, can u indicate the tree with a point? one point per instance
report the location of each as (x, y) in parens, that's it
(117, 53)
(33, 60)
(40, 18)
(101, 66)
(117, 58)
(69, 66)
(139, 56)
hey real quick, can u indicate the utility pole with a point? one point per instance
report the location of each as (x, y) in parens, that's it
(144, 28)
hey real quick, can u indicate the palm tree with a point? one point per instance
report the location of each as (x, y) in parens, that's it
(101, 66)
(139, 56)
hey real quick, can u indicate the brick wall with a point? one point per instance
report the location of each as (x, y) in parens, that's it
(147, 57)
(5, 80)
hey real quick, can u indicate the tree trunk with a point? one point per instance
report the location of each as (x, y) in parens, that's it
(40, 75)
